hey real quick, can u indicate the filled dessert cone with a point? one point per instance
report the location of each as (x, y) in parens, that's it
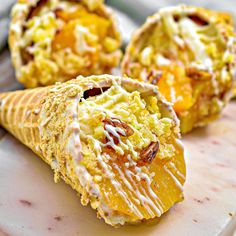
(189, 53)
(57, 40)
(114, 140)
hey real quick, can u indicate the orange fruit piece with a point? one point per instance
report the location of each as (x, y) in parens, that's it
(176, 87)
(65, 38)
(71, 14)
(128, 197)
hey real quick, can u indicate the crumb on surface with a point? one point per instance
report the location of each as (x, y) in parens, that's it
(25, 202)
(198, 200)
(58, 218)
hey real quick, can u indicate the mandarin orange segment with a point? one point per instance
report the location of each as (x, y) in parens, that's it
(176, 88)
(135, 197)
(65, 38)
(96, 24)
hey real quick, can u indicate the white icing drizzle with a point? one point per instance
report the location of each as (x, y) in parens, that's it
(84, 177)
(74, 144)
(45, 121)
(108, 172)
(179, 143)
(93, 4)
(115, 131)
(189, 32)
(162, 61)
(173, 95)
(55, 89)
(131, 148)
(186, 32)
(54, 164)
(127, 183)
(230, 49)
(146, 201)
(172, 165)
(179, 41)
(178, 184)
(74, 147)
(36, 111)
(129, 186)
(148, 180)
(112, 144)
(19, 8)
(81, 44)
(16, 28)
(3, 102)
(131, 161)
(151, 202)
(142, 198)
(61, 89)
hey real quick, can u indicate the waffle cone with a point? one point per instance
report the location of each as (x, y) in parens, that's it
(46, 121)
(54, 65)
(199, 93)
(20, 115)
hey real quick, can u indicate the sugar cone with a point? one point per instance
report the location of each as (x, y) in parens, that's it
(121, 188)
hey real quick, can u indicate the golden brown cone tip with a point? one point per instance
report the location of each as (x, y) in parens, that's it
(190, 54)
(114, 140)
(57, 40)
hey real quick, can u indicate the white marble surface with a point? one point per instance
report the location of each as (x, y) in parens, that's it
(31, 204)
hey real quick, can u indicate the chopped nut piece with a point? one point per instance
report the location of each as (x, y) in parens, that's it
(34, 11)
(94, 92)
(118, 123)
(154, 76)
(198, 20)
(127, 131)
(58, 12)
(195, 73)
(148, 154)
(26, 56)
